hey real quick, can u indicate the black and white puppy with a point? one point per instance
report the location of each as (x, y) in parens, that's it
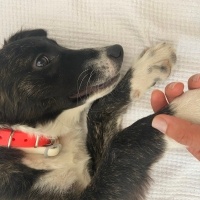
(76, 99)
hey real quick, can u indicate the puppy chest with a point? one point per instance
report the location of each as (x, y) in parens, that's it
(65, 169)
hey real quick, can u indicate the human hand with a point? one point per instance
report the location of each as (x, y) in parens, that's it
(180, 130)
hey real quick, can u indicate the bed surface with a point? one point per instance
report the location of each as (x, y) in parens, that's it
(135, 24)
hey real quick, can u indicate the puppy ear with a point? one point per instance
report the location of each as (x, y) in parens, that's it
(24, 34)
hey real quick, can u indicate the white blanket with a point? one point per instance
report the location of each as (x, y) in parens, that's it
(135, 24)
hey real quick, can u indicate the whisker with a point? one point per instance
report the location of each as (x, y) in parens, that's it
(80, 86)
(80, 76)
(77, 85)
(89, 80)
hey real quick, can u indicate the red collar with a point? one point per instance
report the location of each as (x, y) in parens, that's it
(11, 138)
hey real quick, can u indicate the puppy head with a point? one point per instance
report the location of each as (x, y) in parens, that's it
(39, 78)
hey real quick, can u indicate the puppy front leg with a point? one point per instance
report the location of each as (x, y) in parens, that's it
(123, 170)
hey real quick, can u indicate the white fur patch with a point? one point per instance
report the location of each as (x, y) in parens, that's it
(187, 106)
(70, 165)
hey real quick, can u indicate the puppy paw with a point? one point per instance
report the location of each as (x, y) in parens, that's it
(154, 64)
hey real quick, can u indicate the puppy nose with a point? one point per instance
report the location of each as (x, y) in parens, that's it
(115, 51)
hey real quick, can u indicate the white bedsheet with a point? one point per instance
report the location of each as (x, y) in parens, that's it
(135, 24)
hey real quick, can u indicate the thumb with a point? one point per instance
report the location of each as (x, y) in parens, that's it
(180, 130)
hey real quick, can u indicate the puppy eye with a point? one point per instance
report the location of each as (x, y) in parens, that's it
(42, 61)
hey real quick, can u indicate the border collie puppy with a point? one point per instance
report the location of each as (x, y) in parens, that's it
(60, 120)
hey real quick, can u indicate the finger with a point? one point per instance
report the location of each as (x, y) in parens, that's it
(194, 152)
(173, 90)
(194, 82)
(180, 130)
(158, 100)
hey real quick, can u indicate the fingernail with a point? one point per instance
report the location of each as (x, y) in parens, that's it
(196, 77)
(172, 85)
(159, 124)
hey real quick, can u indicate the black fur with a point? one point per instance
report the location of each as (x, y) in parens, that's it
(16, 178)
(120, 159)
